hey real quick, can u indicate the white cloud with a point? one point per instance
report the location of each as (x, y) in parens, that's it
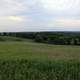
(12, 7)
(24, 15)
(14, 23)
(15, 18)
(60, 5)
(68, 22)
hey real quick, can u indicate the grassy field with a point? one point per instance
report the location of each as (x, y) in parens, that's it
(27, 60)
(31, 50)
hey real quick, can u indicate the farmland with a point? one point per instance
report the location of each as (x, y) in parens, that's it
(28, 60)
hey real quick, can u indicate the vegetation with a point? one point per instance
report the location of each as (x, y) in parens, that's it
(11, 38)
(24, 59)
(27, 60)
(37, 70)
(31, 50)
(58, 38)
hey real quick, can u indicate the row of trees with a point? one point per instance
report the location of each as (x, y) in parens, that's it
(29, 35)
(58, 38)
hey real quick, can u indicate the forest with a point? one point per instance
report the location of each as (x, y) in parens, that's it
(57, 38)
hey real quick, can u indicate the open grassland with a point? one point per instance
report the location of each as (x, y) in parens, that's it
(31, 50)
(26, 60)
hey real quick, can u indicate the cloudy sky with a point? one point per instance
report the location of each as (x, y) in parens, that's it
(39, 15)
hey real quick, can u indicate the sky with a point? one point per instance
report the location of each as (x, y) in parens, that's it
(39, 15)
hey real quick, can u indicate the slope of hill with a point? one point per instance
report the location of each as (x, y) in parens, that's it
(27, 60)
(10, 38)
(28, 49)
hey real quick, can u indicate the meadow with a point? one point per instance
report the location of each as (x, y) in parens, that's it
(39, 51)
(28, 60)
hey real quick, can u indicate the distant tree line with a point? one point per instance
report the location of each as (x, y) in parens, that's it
(58, 38)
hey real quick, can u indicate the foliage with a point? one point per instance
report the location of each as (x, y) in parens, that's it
(58, 38)
(39, 38)
(37, 70)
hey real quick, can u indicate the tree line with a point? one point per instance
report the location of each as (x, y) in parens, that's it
(58, 38)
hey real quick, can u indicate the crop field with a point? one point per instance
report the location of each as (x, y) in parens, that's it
(27, 60)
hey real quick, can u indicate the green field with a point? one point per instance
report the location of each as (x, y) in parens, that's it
(27, 60)
(31, 50)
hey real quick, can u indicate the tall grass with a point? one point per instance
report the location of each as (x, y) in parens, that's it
(39, 70)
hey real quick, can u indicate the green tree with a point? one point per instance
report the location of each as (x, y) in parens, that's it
(38, 38)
